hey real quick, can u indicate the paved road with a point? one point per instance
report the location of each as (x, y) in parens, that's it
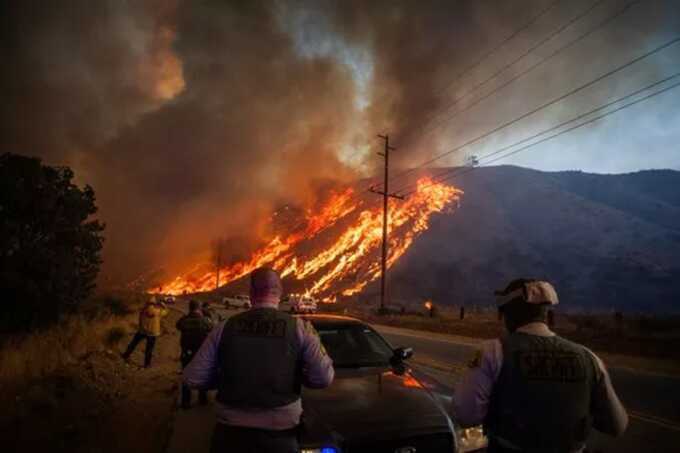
(653, 401)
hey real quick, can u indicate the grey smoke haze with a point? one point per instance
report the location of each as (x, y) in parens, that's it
(193, 119)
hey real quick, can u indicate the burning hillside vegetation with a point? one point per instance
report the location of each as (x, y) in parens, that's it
(336, 251)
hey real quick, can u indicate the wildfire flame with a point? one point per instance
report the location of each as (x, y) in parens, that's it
(348, 263)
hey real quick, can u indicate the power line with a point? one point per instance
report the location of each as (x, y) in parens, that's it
(516, 60)
(479, 61)
(601, 24)
(547, 104)
(458, 171)
(495, 49)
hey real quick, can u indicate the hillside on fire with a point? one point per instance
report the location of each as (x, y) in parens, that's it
(607, 241)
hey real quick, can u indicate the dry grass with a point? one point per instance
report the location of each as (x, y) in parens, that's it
(635, 341)
(42, 353)
(66, 388)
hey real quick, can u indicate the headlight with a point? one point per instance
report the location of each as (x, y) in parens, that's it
(471, 439)
(319, 450)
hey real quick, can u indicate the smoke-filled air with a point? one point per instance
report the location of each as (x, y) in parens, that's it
(197, 122)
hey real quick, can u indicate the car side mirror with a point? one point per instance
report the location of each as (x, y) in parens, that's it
(402, 353)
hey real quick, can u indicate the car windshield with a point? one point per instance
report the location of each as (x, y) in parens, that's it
(354, 345)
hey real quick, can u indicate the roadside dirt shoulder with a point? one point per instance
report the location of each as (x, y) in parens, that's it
(99, 404)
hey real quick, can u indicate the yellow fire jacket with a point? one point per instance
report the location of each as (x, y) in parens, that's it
(150, 319)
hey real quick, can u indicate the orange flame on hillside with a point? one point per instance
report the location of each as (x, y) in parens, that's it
(348, 263)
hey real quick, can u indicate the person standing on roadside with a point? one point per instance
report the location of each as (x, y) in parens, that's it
(211, 313)
(194, 327)
(259, 360)
(533, 390)
(149, 329)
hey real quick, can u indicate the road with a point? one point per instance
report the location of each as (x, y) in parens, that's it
(653, 401)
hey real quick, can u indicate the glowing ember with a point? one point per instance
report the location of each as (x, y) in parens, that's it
(428, 305)
(351, 261)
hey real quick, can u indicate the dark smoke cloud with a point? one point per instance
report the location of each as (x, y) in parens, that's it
(192, 120)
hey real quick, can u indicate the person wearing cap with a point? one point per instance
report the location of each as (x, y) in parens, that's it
(533, 390)
(258, 361)
(149, 328)
(194, 327)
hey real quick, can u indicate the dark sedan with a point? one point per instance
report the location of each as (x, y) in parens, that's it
(376, 403)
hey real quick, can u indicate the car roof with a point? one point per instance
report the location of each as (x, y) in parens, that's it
(323, 320)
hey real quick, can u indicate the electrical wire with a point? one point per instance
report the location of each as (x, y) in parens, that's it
(548, 104)
(460, 171)
(600, 25)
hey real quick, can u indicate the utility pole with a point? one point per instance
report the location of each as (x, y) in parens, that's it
(218, 257)
(386, 194)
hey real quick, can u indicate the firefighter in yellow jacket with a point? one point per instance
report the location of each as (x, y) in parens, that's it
(149, 328)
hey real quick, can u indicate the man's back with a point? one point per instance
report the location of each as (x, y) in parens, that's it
(542, 396)
(194, 328)
(273, 379)
(150, 319)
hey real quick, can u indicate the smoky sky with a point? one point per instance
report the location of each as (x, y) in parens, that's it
(193, 120)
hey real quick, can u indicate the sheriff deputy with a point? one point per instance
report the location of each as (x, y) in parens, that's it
(533, 390)
(258, 360)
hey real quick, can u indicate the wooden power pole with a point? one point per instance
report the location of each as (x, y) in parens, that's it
(386, 194)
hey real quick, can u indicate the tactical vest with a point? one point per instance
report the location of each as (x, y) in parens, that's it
(259, 360)
(195, 329)
(541, 401)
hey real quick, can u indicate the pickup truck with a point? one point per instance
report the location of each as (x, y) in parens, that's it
(240, 301)
(298, 303)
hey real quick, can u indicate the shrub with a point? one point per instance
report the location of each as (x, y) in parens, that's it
(50, 247)
(114, 336)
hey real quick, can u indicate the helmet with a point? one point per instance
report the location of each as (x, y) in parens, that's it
(529, 291)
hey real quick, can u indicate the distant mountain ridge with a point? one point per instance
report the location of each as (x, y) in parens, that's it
(606, 241)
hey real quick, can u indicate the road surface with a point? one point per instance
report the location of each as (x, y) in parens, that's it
(653, 401)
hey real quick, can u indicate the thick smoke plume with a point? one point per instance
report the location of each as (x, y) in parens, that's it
(194, 120)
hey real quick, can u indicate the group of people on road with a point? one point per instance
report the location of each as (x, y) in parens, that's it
(194, 327)
(531, 390)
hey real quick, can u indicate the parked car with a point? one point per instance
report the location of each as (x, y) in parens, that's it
(298, 303)
(377, 402)
(239, 301)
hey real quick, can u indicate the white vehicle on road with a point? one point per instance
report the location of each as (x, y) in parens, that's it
(299, 303)
(240, 301)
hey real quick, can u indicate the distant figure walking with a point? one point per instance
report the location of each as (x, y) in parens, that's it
(149, 329)
(258, 360)
(194, 328)
(533, 390)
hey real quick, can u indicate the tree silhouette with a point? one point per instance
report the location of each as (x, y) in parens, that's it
(49, 246)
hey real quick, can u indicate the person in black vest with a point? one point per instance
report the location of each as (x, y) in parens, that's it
(194, 328)
(259, 360)
(533, 390)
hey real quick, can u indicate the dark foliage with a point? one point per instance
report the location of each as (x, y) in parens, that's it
(49, 246)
